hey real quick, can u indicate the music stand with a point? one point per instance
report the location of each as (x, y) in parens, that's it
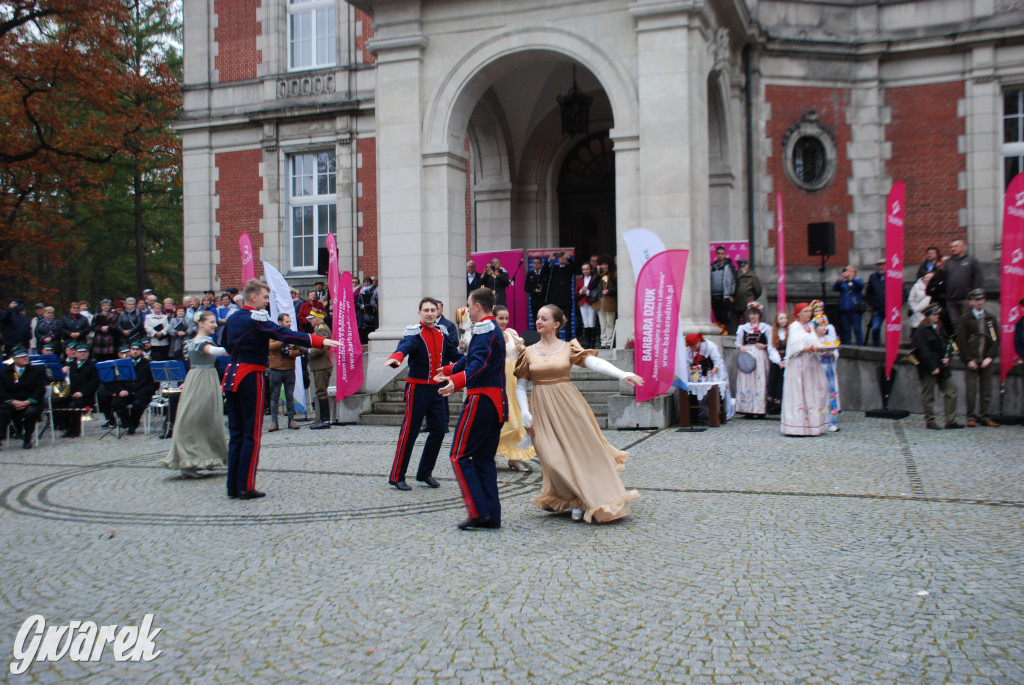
(172, 371)
(49, 362)
(113, 371)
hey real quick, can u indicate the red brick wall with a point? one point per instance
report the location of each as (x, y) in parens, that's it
(367, 205)
(923, 132)
(367, 34)
(800, 208)
(238, 187)
(236, 32)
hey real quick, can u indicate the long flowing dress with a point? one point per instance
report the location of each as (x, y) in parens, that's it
(512, 431)
(829, 359)
(200, 441)
(776, 354)
(751, 388)
(580, 467)
(805, 388)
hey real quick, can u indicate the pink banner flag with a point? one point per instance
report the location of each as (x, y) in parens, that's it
(893, 273)
(659, 287)
(780, 253)
(1011, 284)
(248, 263)
(348, 359)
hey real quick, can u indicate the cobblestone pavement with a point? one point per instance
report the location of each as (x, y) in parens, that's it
(750, 558)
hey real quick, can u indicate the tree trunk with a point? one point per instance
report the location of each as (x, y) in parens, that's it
(140, 248)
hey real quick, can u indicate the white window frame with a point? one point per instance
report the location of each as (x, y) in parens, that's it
(319, 18)
(1011, 149)
(309, 192)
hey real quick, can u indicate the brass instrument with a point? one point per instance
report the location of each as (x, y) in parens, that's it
(60, 390)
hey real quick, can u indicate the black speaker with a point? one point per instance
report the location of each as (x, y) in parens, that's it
(322, 260)
(821, 239)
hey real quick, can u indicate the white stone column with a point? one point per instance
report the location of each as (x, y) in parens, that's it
(627, 217)
(493, 208)
(444, 229)
(867, 152)
(672, 68)
(199, 172)
(399, 196)
(982, 110)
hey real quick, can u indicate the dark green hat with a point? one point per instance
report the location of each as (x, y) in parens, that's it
(137, 343)
(19, 351)
(124, 348)
(82, 346)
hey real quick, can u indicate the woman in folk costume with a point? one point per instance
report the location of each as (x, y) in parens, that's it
(805, 388)
(512, 431)
(581, 469)
(199, 440)
(777, 356)
(829, 358)
(586, 294)
(752, 387)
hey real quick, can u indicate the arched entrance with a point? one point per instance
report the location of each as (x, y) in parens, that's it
(586, 197)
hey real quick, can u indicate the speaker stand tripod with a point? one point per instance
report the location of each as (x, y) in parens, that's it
(821, 272)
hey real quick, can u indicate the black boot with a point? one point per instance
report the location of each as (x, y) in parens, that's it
(325, 416)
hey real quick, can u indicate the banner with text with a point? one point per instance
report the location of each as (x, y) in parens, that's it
(780, 253)
(894, 207)
(248, 264)
(348, 359)
(659, 288)
(1011, 283)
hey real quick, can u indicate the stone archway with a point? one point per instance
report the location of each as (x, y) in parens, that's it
(586, 197)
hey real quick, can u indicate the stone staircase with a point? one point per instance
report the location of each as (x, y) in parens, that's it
(388, 408)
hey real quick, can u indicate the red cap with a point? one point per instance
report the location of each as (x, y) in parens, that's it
(694, 339)
(800, 306)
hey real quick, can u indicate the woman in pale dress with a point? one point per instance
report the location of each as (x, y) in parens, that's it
(752, 388)
(200, 441)
(580, 467)
(512, 431)
(805, 388)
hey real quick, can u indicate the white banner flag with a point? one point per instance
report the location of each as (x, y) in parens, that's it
(281, 301)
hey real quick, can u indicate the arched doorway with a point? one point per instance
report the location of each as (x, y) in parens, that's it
(586, 197)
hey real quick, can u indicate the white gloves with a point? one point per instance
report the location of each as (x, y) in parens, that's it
(524, 407)
(605, 367)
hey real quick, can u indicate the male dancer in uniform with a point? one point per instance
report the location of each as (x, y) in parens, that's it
(247, 335)
(482, 373)
(428, 347)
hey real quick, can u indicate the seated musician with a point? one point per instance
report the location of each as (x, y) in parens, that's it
(22, 391)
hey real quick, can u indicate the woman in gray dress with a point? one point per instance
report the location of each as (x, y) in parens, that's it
(199, 439)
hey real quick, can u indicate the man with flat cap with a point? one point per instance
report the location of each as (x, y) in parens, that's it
(22, 391)
(83, 380)
(977, 335)
(131, 401)
(934, 351)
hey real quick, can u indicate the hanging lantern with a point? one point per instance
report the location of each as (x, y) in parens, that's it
(575, 107)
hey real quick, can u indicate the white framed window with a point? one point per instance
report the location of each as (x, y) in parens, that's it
(313, 206)
(1012, 149)
(312, 35)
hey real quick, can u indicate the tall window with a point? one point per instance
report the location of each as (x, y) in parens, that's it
(1013, 135)
(312, 38)
(314, 206)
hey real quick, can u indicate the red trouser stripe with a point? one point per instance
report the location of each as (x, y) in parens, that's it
(250, 481)
(403, 436)
(459, 446)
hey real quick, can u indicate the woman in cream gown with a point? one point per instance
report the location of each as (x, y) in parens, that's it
(512, 431)
(581, 469)
(200, 441)
(805, 388)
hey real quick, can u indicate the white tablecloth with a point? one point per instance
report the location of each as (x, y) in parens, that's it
(700, 390)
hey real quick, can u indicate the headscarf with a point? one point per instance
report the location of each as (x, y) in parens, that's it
(694, 339)
(800, 306)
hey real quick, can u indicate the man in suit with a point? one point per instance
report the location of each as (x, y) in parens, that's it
(451, 332)
(496, 278)
(933, 350)
(472, 277)
(537, 286)
(22, 391)
(247, 336)
(84, 381)
(427, 347)
(482, 373)
(138, 393)
(978, 338)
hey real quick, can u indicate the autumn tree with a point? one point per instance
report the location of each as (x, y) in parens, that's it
(86, 89)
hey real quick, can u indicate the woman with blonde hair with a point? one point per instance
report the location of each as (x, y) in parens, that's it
(512, 431)
(580, 467)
